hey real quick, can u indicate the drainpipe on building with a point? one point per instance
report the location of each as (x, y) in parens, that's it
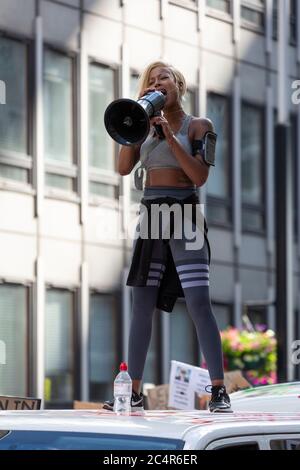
(283, 201)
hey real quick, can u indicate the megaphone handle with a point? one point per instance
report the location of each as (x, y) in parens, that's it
(158, 127)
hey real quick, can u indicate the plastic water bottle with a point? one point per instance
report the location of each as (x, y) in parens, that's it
(122, 391)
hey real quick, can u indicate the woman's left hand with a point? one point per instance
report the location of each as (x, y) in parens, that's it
(161, 121)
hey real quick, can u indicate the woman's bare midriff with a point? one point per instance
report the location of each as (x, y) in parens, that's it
(167, 177)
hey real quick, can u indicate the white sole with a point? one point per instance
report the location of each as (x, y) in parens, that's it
(220, 410)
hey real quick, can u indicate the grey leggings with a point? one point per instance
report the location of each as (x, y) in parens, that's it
(199, 307)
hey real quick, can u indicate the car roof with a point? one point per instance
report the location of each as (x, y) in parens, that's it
(283, 389)
(268, 398)
(160, 423)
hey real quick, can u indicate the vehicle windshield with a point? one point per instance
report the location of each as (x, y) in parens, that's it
(52, 440)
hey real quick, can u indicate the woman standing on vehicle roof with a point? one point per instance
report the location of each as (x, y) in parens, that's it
(176, 163)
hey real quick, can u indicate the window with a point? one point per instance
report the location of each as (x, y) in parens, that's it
(239, 446)
(219, 180)
(294, 5)
(58, 120)
(15, 163)
(67, 440)
(188, 4)
(258, 317)
(103, 347)
(275, 19)
(101, 146)
(286, 444)
(222, 5)
(14, 337)
(223, 315)
(293, 33)
(188, 102)
(252, 168)
(253, 14)
(59, 346)
(102, 189)
(183, 337)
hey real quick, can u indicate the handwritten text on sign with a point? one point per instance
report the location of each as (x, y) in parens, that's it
(17, 403)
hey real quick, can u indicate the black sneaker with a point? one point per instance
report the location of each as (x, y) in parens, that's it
(220, 401)
(137, 402)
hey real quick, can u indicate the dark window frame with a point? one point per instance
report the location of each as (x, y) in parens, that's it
(13, 158)
(101, 175)
(31, 346)
(29, 385)
(76, 356)
(261, 209)
(293, 22)
(69, 170)
(228, 202)
(28, 331)
(219, 14)
(187, 4)
(256, 309)
(117, 314)
(245, 24)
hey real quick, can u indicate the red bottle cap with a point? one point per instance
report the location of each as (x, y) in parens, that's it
(123, 366)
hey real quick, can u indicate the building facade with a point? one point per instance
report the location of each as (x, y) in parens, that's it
(64, 306)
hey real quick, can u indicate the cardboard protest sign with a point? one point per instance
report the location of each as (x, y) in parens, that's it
(235, 381)
(157, 397)
(185, 381)
(87, 405)
(19, 403)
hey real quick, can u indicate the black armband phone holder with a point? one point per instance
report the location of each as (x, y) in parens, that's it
(206, 147)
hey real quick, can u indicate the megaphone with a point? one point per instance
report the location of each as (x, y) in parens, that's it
(128, 121)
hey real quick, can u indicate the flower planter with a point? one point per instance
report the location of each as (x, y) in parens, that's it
(254, 353)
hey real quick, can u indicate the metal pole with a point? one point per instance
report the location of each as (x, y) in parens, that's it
(283, 197)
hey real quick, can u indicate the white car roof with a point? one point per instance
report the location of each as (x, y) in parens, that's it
(187, 425)
(285, 396)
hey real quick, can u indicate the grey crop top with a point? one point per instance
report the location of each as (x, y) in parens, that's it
(155, 153)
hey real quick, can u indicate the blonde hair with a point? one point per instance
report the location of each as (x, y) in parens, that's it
(176, 74)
